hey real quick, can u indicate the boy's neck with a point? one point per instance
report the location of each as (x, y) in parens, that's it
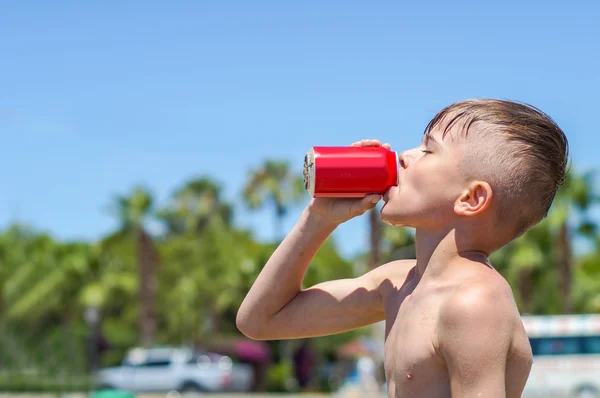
(437, 251)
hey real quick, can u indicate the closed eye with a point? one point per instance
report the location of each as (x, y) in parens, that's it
(425, 151)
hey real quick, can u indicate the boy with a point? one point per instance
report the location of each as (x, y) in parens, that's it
(486, 172)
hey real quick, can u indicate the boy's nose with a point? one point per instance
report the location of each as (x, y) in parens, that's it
(403, 159)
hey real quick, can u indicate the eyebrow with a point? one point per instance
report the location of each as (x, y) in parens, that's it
(429, 137)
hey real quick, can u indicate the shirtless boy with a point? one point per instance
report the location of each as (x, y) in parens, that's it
(486, 172)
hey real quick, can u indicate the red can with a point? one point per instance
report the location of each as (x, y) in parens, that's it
(349, 172)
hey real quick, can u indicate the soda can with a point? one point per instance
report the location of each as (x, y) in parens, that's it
(349, 172)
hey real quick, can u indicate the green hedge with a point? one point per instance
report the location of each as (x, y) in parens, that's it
(37, 383)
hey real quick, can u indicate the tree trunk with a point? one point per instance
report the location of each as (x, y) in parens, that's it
(375, 231)
(566, 268)
(93, 319)
(147, 260)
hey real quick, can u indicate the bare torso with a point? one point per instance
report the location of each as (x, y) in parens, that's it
(413, 364)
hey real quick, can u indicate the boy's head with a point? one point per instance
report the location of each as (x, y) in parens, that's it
(490, 167)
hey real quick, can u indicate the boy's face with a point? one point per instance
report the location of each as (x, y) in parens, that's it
(429, 183)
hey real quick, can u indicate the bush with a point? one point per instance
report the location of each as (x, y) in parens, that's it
(38, 383)
(280, 378)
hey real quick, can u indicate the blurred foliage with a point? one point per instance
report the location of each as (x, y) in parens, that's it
(18, 383)
(545, 272)
(206, 265)
(274, 184)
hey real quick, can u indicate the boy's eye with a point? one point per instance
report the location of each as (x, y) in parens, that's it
(425, 151)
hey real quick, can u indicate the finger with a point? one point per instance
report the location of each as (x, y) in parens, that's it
(366, 142)
(372, 200)
(367, 203)
(387, 146)
(370, 143)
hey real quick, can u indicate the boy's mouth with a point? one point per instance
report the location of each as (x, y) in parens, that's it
(386, 195)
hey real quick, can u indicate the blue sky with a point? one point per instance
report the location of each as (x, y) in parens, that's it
(97, 97)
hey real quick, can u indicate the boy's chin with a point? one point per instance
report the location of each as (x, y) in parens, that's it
(391, 217)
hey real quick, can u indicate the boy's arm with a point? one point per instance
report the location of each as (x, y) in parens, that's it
(276, 307)
(475, 332)
(337, 306)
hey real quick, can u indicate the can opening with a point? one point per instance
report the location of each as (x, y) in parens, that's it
(309, 172)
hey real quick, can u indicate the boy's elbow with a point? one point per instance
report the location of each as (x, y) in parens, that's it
(249, 326)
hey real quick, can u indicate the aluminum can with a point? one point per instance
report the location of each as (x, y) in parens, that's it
(350, 171)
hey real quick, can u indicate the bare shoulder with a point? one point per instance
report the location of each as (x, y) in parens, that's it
(486, 297)
(480, 306)
(479, 329)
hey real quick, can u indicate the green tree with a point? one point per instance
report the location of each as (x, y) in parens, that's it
(199, 246)
(587, 282)
(40, 278)
(375, 236)
(202, 285)
(274, 183)
(528, 264)
(570, 219)
(132, 210)
(398, 243)
(194, 205)
(540, 264)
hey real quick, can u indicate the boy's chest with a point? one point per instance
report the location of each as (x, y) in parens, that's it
(412, 365)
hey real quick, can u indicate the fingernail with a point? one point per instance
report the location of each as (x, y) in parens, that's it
(374, 200)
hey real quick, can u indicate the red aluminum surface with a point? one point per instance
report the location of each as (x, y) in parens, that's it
(354, 171)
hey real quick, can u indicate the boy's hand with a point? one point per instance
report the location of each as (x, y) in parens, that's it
(339, 210)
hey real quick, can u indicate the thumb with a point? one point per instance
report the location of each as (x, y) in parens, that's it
(371, 200)
(367, 203)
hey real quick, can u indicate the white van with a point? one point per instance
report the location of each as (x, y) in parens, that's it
(566, 356)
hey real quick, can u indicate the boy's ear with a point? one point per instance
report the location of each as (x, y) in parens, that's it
(474, 200)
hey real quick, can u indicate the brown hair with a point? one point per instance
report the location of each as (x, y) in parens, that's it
(526, 154)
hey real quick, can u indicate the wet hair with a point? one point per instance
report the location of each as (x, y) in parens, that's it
(521, 152)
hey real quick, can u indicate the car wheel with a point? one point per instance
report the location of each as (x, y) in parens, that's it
(586, 391)
(191, 389)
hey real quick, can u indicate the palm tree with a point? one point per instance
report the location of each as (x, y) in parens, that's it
(587, 282)
(132, 210)
(569, 219)
(197, 210)
(398, 243)
(194, 205)
(274, 183)
(544, 255)
(528, 262)
(375, 233)
(41, 278)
